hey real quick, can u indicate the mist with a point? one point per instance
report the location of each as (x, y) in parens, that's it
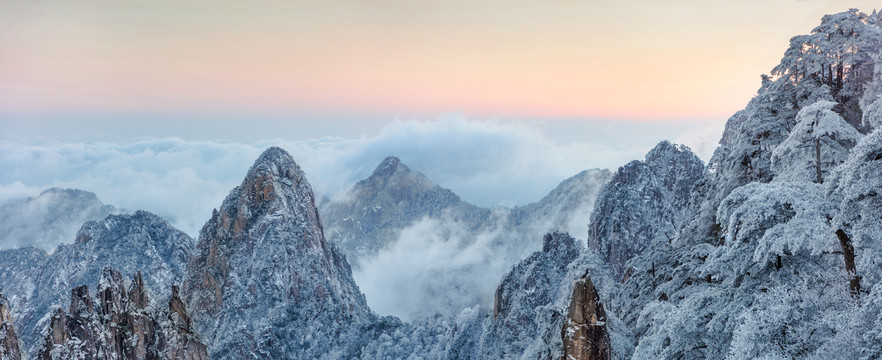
(487, 163)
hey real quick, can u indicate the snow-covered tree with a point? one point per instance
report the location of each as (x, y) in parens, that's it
(819, 142)
(873, 115)
(836, 54)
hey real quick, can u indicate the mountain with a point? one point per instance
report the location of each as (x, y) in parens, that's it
(50, 219)
(264, 282)
(419, 249)
(776, 261)
(374, 211)
(140, 242)
(121, 322)
(372, 214)
(645, 203)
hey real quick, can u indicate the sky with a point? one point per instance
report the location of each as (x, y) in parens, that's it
(162, 105)
(354, 61)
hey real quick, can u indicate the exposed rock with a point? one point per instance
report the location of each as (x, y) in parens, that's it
(140, 242)
(584, 334)
(9, 347)
(264, 282)
(119, 327)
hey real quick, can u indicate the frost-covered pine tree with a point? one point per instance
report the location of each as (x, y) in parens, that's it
(835, 54)
(819, 142)
(873, 114)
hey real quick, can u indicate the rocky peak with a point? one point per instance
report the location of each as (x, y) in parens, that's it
(80, 301)
(138, 293)
(9, 347)
(273, 180)
(394, 176)
(584, 333)
(119, 327)
(389, 166)
(178, 312)
(262, 258)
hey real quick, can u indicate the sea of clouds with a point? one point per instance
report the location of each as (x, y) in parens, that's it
(487, 163)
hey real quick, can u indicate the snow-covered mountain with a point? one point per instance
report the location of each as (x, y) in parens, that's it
(774, 264)
(130, 243)
(372, 214)
(49, 219)
(264, 282)
(644, 203)
(374, 211)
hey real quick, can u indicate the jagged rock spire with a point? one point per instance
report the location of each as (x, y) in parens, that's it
(9, 347)
(584, 334)
(119, 324)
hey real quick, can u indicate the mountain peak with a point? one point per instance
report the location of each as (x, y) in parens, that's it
(388, 167)
(663, 148)
(262, 259)
(277, 163)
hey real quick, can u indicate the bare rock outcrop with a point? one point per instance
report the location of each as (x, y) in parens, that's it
(120, 323)
(584, 334)
(9, 348)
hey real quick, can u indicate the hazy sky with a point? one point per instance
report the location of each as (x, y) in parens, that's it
(162, 105)
(111, 66)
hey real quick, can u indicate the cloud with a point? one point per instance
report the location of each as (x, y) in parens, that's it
(486, 162)
(437, 265)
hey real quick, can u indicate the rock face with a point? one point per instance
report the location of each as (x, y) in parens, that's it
(141, 242)
(121, 322)
(645, 202)
(584, 333)
(9, 348)
(50, 219)
(264, 282)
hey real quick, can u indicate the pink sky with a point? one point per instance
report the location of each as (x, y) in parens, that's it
(592, 59)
